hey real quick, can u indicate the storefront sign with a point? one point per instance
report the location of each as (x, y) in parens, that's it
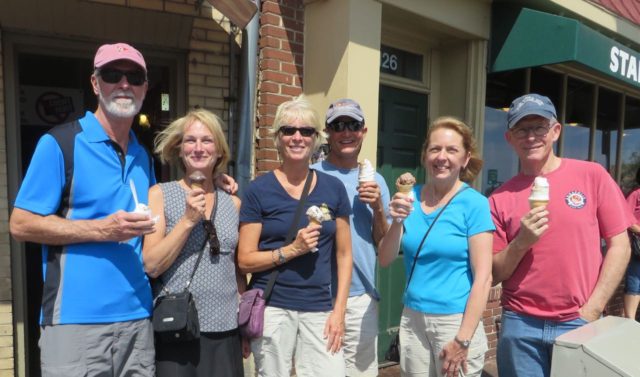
(625, 64)
(400, 63)
(537, 38)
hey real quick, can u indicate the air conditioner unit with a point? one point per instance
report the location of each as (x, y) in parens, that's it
(607, 347)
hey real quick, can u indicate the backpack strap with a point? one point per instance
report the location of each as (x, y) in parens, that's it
(65, 136)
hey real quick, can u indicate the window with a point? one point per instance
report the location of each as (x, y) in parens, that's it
(630, 142)
(578, 119)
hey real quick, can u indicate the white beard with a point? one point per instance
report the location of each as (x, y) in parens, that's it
(120, 107)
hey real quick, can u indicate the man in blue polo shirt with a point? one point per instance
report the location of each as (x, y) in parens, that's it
(96, 297)
(369, 222)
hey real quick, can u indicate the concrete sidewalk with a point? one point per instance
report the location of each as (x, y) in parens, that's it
(490, 370)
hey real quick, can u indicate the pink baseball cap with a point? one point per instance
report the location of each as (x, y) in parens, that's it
(108, 53)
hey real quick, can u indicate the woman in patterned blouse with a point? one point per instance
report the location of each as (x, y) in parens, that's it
(194, 218)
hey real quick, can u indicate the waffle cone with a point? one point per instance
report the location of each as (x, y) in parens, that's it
(404, 188)
(314, 222)
(537, 203)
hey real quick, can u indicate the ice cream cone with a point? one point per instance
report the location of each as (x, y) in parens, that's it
(366, 172)
(313, 221)
(539, 193)
(197, 180)
(405, 189)
(537, 203)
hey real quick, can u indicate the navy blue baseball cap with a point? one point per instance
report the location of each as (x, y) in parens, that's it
(530, 104)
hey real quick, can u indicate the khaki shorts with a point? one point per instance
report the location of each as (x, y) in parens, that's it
(104, 350)
(289, 335)
(361, 336)
(422, 338)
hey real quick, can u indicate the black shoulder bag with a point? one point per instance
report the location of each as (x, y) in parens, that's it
(393, 352)
(175, 316)
(253, 301)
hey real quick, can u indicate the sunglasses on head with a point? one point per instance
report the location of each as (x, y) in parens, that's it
(113, 76)
(214, 243)
(290, 131)
(341, 125)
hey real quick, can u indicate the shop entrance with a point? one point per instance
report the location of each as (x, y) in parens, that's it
(54, 90)
(402, 124)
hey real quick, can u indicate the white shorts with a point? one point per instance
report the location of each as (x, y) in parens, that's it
(361, 336)
(294, 335)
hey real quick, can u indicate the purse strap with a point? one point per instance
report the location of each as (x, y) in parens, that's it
(204, 244)
(292, 232)
(415, 259)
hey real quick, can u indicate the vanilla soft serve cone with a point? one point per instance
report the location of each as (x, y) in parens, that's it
(366, 172)
(539, 193)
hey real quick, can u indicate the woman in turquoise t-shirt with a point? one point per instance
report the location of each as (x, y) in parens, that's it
(449, 287)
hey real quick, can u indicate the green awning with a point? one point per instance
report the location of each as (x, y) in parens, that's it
(524, 38)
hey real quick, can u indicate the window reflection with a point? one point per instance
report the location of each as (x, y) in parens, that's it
(630, 144)
(606, 136)
(500, 162)
(576, 141)
(579, 116)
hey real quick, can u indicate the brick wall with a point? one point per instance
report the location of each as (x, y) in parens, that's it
(280, 70)
(207, 85)
(491, 320)
(6, 310)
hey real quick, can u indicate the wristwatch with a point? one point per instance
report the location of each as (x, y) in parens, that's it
(463, 343)
(281, 258)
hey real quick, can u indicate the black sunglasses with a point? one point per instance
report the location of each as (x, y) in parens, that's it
(214, 243)
(340, 125)
(113, 76)
(290, 131)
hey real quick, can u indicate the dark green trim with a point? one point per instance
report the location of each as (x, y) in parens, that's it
(523, 37)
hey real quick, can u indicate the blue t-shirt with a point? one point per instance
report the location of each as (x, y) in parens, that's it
(361, 222)
(93, 282)
(442, 279)
(304, 283)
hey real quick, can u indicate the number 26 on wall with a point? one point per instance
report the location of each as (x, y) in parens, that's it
(389, 61)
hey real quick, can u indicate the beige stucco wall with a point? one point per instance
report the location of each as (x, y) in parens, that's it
(342, 58)
(342, 54)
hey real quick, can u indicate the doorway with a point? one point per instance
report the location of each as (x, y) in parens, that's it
(402, 126)
(55, 89)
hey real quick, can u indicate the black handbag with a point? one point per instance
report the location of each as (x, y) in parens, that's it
(175, 316)
(634, 239)
(393, 352)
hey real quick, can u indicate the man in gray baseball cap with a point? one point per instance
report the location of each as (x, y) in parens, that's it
(530, 104)
(369, 221)
(548, 258)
